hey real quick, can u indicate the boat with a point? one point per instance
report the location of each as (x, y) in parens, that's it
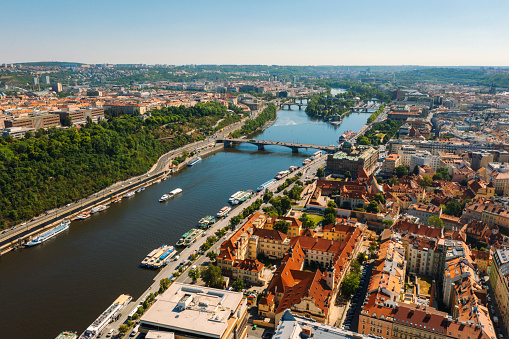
(117, 199)
(281, 174)
(345, 136)
(194, 161)
(235, 196)
(49, 234)
(99, 208)
(83, 216)
(265, 185)
(142, 188)
(67, 335)
(292, 168)
(205, 222)
(138, 190)
(159, 257)
(243, 197)
(189, 237)
(175, 192)
(129, 194)
(93, 331)
(223, 212)
(164, 198)
(316, 155)
(305, 162)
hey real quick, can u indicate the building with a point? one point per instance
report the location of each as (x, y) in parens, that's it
(199, 312)
(16, 132)
(423, 212)
(499, 281)
(80, 116)
(390, 163)
(352, 159)
(57, 87)
(249, 270)
(46, 80)
(291, 326)
(36, 121)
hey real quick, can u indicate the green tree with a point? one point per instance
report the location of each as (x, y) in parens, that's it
(380, 198)
(373, 207)
(332, 204)
(194, 274)
(212, 255)
(67, 121)
(438, 176)
(435, 221)
(330, 216)
(212, 276)
(416, 170)
(281, 226)
(350, 285)
(393, 181)
(444, 173)
(387, 223)
(123, 328)
(348, 174)
(238, 285)
(401, 171)
(453, 208)
(320, 173)
(307, 222)
(425, 181)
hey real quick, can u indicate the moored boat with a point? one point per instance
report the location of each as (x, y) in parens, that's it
(99, 208)
(129, 194)
(265, 185)
(235, 196)
(223, 211)
(49, 234)
(205, 222)
(189, 237)
(83, 216)
(194, 161)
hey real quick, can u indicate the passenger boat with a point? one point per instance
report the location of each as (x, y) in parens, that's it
(305, 162)
(345, 136)
(129, 194)
(189, 237)
(223, 212)
(49, 234)
(99, 208)
(175, 192)
(94, 331)
(292, 168)
(243, 197)
(265, 185)
(235, 196)
(83, 216)
(117, 199)
(159, 257)
(205, 222)
(164, 198)
(316, 155)
(281, 174)
(194, 161)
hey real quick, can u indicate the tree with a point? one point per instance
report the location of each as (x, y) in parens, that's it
(349, 285)
(393, 181)
(425, 181)
(194, 274)
(67, 121)
(320, 173)
(307, 222)
(435, 221)
(416, 170)
(373, 207)
(212, 276)
(238, 285)
(380, 198)
(282, 226)
(401, 171)
(444, 172)
(348, 174)
(330, 216)
(123, 328)
(361, 257)
(332, 204)
(438, 176)
(453, 208)
(212, 255)
(387, 223)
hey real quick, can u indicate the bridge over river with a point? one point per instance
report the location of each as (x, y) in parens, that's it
(262, 143)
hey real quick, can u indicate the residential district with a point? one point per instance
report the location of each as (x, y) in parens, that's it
(399, 235)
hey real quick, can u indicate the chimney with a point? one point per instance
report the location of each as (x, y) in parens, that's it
(306, 332)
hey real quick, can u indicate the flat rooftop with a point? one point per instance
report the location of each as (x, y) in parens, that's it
(194, 309)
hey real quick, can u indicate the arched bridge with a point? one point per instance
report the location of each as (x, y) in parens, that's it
(262, 143)
(295, 102)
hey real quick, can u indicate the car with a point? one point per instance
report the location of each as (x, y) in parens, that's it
(193, 267)
(110, 333)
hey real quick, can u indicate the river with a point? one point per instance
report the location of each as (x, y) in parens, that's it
(65, 283)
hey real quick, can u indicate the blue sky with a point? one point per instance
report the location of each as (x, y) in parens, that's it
(298, 32)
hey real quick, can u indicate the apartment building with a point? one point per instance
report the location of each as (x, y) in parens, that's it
(249, 270)
(352, 159)
(36, 121)
(423, 212)
(499, 281)
(389, 165)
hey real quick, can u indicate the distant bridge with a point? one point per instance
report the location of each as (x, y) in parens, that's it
(295, 102)
(262, 143)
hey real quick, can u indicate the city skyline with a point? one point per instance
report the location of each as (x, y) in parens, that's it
(459, 33)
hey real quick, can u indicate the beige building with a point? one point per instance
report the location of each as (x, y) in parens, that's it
(390, 163)
(249, 270)
(352, 159)
(499, 281)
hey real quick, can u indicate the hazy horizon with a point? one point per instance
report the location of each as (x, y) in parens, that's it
(298, 33)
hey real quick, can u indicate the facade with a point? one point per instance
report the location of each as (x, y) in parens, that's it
(390, 163)
(37, 122)
(191, 311)
(499, 281)
(423, 212)
(249, 270)
(80, 116)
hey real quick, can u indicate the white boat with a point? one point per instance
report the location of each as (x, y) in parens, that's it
(175, 192)
(223, 211)
(164, 198)
(305, 162)
(265, 185)
(93, 331)
(194, 161)
(83, 216)
(129, 194)
(99, 208)
(49, 234)
(235, 197)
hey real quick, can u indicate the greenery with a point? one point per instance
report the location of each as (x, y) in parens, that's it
(295, 192)
(373, 207)
(320, 172)
(401, 171)
(425, 181)
(387, 223)
(238, 285)
(288, 182)
(380, 133)
(194, 274)
(51, 168)
(442, 173)
(453, 208)
(279, 206)
(375, 114)
(307, 222)
(212, 276)
(435, 221)
(330, 216)
(212, 255)
(250, 126)
(282, 226)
